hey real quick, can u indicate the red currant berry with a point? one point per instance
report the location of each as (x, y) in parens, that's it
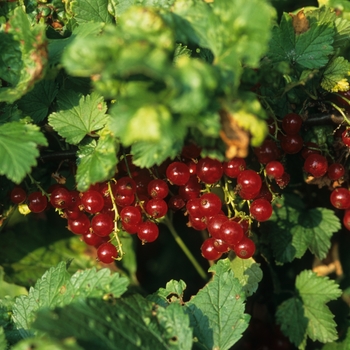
(107, 253)
(157, 208)
(80, 225)
(310, 148)
(60, 198)
(234, 167)
(176, 203)
(221, 246)
(283, 181)
(178, 173)
(340, 198)
(244, 224)
(197, 223)
(292, 144)
(37, 202)
(158, 189)
(193, 207)
(291, 123)
(130, 228)
(231, 233)
(124, 201)
(261, 209)
(74, 202)
(18, 195)
(267, 152)
(214, 224)
(130, 215)
(210, 204)
(191, 189)
(249, 181)
(264, 193)
(92, 201)
(345, 136)
(274, 169)
(316, 165)
(147, 232)
(335, 171)
(209, 170)
(248, 196)
(346, 219)
(102, 224)
(245, 249)
(92, 239)
(209, 251)
(126, 186)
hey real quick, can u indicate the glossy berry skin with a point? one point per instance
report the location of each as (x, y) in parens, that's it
(92, 201)
(340, 198)
(267, 152)
(60, 198)
(178, 173)
(176, 203)
(234, 167)
(80, 225)
(335, 171)
(261, 209)
(37, 202)
(231, 232)
(283, 181)
(209, 251)
(126, 186)
(193, 207)
(210, 204)
(291, 123)
(249, 181)
(158, 188)
(107, 253)
(221, 246)
(346, 219)
(130, 215)
(92, 239)
(345, 136)
(18, 195)
(191, 189)
(123, 200)
(274, 169)
(292, 144)
(245, 249)
(197, 223)
(209, 170)
(310, 148)
(147, 232)
(157, 208)
(316, 165)
(215, 223)
(102, 224)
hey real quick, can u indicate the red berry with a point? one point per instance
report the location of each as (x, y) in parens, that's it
(249, 181)
(221, 246)
(92, 239)
(274, 169)
(125, 186)
(92, 201)
(340, 198)
(60, 198)
(292, 144)
(231, 232)
(283, 181)
(209, 170)
(102, 224)
(346, 219)
(234, 167)
(18, 195)
(191, 189)
(316, 165)
(261, 209)
(198, 223)
(107, 253)
(37, 202)
(147, 232)
(214, 224)
(193, 207)
(267, 152)
(310, 148)
(130, 215)
(80, 225)
(158, 189)
(157, 208)
(123, 200)
(209, 251)
(291, 123)
(245, 249)
(176, 203)
(335, 171)
(210, 204)
(345, 136)
(178, 173)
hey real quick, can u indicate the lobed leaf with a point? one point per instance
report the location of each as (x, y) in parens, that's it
(335, 76)
(19, 144)
(85, 11)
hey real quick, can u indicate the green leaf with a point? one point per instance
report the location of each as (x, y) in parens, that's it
(36, 103)
(345, 344)
(78, 115)
(127, 323)
(9, 289)
(248, 273)
(57, 288)
(19, 149)
(292, 229)
(217, 311)
(309, 50)
(335, 76)
(91, 11)
(96, 160)
(173, 292)
(307, 315)
(3, 341)
(45, 344)
(24, 58)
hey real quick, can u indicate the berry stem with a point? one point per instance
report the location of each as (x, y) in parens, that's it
(184, 248)
(37, 184)
(116, 229)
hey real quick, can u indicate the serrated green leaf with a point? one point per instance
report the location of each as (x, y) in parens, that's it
(217, 311)
(96, 161)
(36, 103)
(19, 149)
(342, 28)
(57, 288)
(315, 291)
(45, 344)
(173, 292)
(127, 323)
(345, 344)
(248, 273)
(181, 50)
(290, 316)
(3, 341)
(91, 11)
(24, 58)
(309, 50)
(78, 115)
(335, 76)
